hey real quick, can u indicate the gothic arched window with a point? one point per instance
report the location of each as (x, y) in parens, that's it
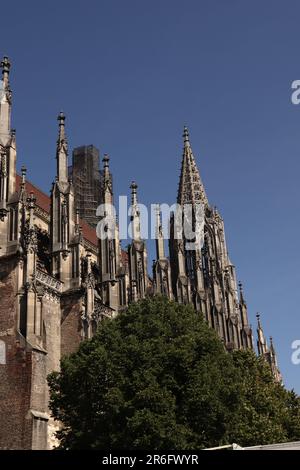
(13, 224)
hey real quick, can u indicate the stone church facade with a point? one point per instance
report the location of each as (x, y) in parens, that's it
(58, 280)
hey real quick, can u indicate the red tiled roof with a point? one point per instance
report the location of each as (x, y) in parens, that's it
(43, 201)
(89, 233)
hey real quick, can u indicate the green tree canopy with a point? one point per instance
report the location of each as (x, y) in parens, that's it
(157, 377)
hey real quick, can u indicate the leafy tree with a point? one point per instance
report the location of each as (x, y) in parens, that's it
(157, 377)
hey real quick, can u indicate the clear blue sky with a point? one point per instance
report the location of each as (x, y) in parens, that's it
(129, 75)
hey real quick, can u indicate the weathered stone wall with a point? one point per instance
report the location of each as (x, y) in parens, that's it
(15, 367)
(8, 302)
(39, 400)
(24, 368)
(52, 326)
(71, 327)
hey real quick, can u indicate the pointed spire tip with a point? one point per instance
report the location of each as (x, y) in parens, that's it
(61, 118)
(5, 64)
(186, 137)
(105, 160)
(258, 320)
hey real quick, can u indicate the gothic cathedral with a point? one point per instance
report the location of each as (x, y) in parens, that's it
(58, 280)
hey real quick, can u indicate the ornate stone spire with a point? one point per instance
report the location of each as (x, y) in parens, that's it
(31, 201)
(62, 150)
(23, 176)
(160, 251)
(186, 138)
(30, 236)
(5, 103)
(63, 220)
(133, 188)
(7, 142)
(5, 65)
(272, 349)
(137, 253)
(258, 321)
(135, 213)
(241, 293)
(261, 340)
(105, 161)
(107, 187)
(191, 189)
(23, 184)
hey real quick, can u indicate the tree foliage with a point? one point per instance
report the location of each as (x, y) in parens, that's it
(157, 377)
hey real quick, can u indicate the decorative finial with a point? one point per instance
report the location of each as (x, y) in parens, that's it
(158, 218)
(5, 64)
(61, 132)
(133, 187)
(258, 320)
(186, 138)
(160, 253)
(61, 118)
(105, 160)
(272, 348)
(135, 213)
(62, 150)
(23, 174)
(241, 292)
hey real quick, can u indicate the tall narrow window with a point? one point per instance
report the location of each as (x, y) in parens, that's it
(13, 224)
(75, 263)
(16, 224)
(58, 222)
